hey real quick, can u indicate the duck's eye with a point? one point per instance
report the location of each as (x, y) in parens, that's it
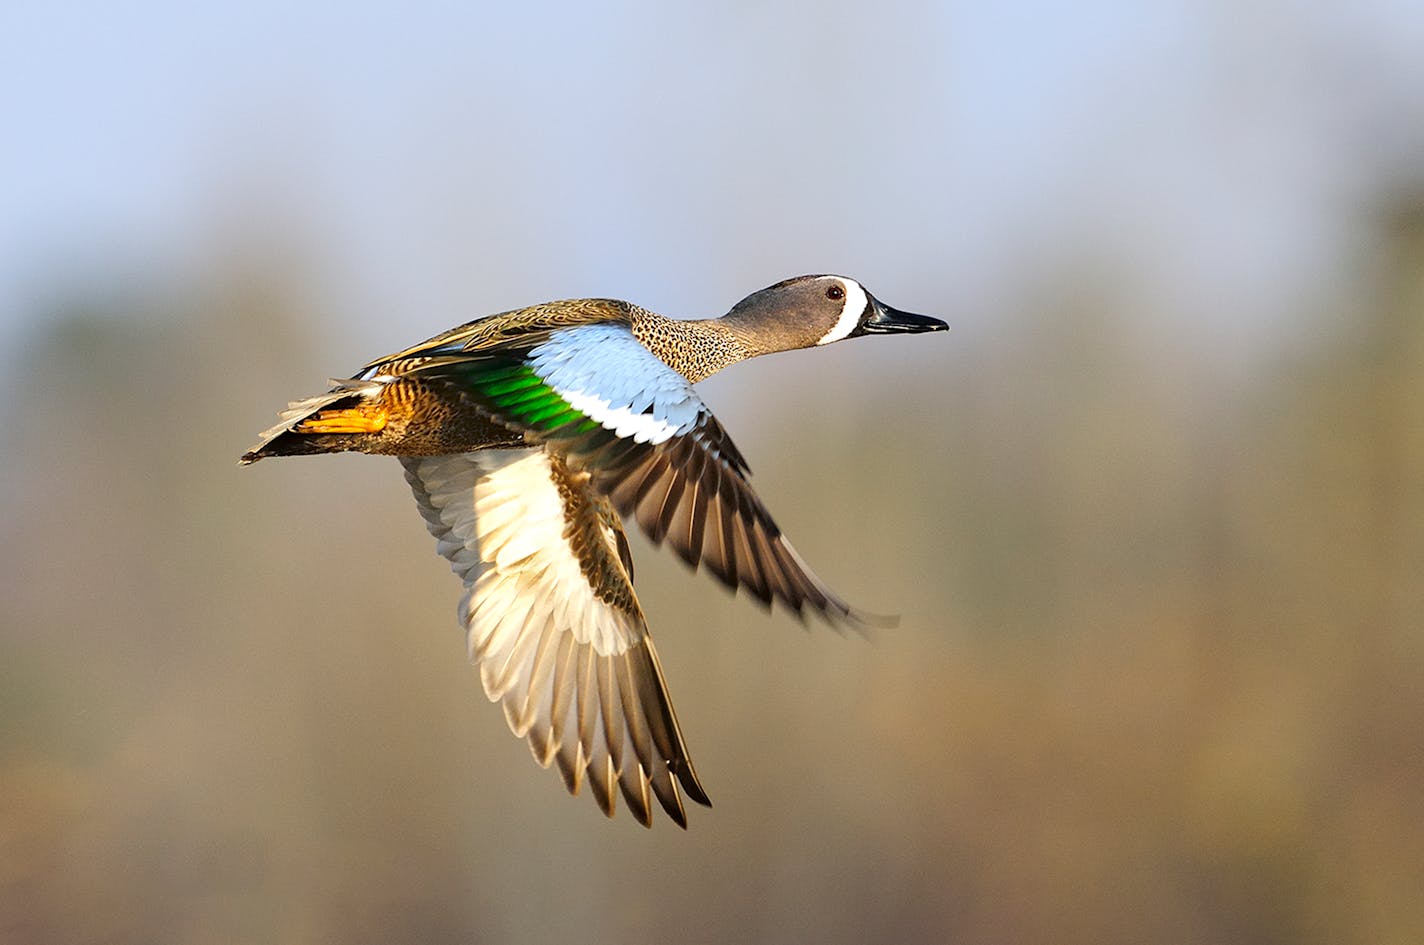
(835, 293)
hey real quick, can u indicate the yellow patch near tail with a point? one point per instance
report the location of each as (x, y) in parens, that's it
(356, 420)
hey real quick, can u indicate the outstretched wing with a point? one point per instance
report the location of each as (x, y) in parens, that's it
(554, 624)
(596, 396)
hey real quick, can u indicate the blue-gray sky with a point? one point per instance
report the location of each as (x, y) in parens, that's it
(429, 162)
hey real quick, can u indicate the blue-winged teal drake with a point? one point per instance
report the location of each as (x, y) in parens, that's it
(526, 435)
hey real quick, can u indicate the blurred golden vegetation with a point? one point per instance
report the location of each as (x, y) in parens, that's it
(1160, 676)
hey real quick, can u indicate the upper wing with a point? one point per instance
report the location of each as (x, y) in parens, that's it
(594, 394)
(554, 624)
(509, 328)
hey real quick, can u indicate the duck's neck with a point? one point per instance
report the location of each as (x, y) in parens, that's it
(695, 349)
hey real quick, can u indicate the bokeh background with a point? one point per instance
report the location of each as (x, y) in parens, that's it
(1153, 512)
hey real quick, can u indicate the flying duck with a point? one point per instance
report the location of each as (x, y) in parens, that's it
(527, 436)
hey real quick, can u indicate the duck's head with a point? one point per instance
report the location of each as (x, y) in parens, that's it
(816, 310)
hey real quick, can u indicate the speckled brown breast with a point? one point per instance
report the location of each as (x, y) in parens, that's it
(694, 349)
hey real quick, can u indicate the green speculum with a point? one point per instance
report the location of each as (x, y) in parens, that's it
(523, 396)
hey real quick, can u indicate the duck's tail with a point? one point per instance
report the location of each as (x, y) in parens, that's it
(328, 423)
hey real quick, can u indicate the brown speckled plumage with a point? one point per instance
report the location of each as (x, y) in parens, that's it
(505, 327)
(694, 349)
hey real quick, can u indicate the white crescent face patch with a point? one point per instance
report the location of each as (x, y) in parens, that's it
(851, 311)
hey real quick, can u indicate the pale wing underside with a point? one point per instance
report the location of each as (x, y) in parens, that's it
(554, 625)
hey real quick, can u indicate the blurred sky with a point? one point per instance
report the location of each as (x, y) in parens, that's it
(430, 162)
